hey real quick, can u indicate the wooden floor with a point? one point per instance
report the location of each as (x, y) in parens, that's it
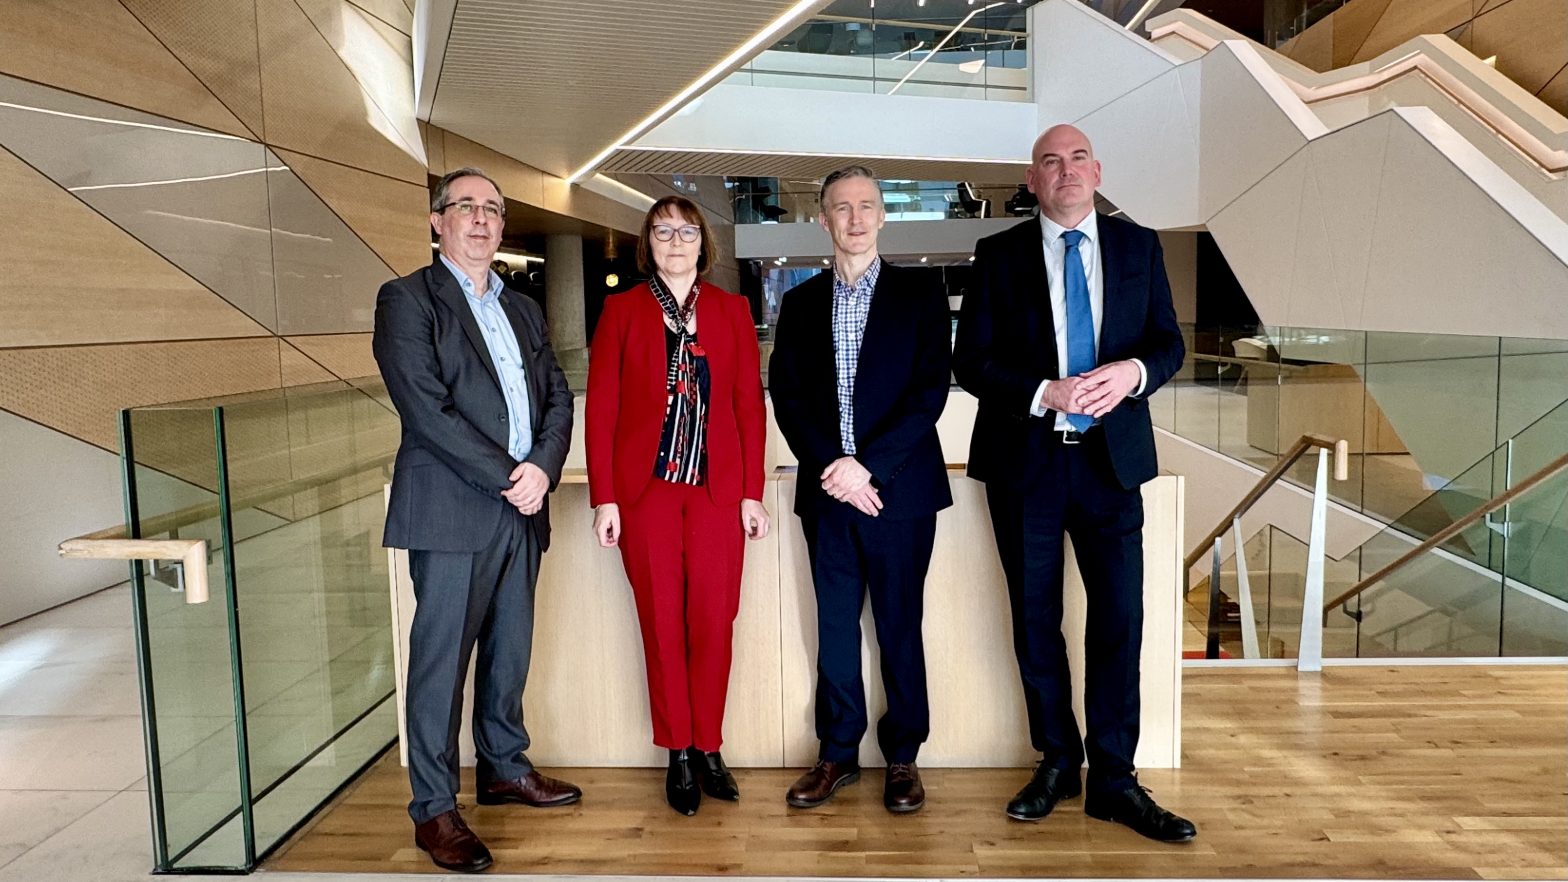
(1413, 772)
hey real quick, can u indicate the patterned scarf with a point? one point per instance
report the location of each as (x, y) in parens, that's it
(683, 448)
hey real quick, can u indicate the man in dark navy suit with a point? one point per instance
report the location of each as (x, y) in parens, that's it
(487, 419)
(859, 376)
(1068, 329)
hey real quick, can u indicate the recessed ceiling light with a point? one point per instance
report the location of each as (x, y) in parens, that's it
(923, 260)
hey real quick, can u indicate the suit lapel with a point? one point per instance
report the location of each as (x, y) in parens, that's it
(446, 289)
(1036, 292)
(1111, 265)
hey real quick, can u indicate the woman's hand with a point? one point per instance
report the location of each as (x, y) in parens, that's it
(754, 519)
(607, 524)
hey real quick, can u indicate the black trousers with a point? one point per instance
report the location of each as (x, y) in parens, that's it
(485, 598)
(1077, 496)
(853, 555)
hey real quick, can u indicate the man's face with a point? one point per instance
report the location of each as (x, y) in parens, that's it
(1064, 173)
(852, 214)
(470, 225)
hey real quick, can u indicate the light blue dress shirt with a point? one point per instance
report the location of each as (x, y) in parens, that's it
(505, 354)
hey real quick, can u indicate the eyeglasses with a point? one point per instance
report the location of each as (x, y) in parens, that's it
(665, 232)
(466, 208)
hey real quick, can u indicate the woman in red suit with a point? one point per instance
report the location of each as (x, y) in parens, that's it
(675, 429)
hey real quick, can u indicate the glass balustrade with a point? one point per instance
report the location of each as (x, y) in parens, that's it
(266, 699)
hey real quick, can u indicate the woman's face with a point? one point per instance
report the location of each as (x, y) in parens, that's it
(675, 256)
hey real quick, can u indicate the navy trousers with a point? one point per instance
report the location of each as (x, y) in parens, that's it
(1078, 496)
(853, 555)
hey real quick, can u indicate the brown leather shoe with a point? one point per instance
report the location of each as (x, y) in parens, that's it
(818, 785)
(451, 845)
(902, 790)
(539, 791)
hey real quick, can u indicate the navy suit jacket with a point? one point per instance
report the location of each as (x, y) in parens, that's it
(1006, 345)
(901, 383)
(452, 462)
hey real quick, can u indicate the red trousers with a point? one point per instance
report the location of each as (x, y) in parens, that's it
(683, 556)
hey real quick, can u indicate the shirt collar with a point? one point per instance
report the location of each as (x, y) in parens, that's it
(493, 288)
(863, 285)
(1089, 226)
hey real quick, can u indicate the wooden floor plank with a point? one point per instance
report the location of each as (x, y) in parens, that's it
(1377, 772)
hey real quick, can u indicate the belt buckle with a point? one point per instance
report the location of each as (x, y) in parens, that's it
(1071, 436)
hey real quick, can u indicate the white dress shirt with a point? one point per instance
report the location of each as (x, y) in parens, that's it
(1055, 259)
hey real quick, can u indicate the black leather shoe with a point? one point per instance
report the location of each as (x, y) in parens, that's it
(1135, 808)
(1049, 786)
(680, 783)
(716, 779)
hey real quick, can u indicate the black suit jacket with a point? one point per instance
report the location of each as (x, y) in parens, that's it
(452, 463)
(1006, 345)
(901, 383)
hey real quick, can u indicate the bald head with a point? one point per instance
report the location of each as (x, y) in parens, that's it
(1063, 174)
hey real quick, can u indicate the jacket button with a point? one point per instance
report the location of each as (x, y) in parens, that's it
(502, 417)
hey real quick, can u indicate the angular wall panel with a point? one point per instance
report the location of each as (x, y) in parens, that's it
(392, 217)
(346, 355)
(299, 369)
(1348, 169)
(1529, 38)
(79, 279)
(379, 56)
(315, 105)
(78, 389)
(1353, 22)
(216, 39)
(97, 48)
(198, 198)
(1406, 18)
(327, 277)
(393, 12)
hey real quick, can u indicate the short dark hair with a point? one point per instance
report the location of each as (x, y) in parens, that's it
(689, 211)
(443, 187)
(848, 171)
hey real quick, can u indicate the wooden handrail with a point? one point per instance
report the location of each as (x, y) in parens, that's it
(1307, 442)
(1496, 502)
(191, 553)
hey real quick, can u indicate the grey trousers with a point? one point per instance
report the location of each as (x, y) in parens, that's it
(483, 599)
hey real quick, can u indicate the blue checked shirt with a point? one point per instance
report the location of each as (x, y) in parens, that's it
(505, 355)
(851, 305)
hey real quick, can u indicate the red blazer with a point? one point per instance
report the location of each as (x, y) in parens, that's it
(626, 396)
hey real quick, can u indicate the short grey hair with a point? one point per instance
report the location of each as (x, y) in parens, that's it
(444, 186)
(848, 171)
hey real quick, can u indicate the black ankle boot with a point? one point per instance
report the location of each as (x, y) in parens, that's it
(680, 782)
(716, 779)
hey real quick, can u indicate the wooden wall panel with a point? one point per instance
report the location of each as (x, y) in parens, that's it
(80, 279)
(346, 355)
(78, 389)
(97, 48)
(314, 105)
(216, 40)
(1529, 38)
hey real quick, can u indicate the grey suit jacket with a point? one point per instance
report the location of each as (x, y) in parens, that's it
(452, 463)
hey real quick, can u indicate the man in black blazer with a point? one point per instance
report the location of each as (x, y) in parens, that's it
(487, 418)
(1067, 330)
(859, 376)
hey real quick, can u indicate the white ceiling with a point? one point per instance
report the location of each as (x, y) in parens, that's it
(554, 82)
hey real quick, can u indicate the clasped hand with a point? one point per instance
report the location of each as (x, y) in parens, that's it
(846, 480)
(1095, 393)
(529, 486)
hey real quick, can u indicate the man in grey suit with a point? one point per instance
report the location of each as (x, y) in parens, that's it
(487, 418)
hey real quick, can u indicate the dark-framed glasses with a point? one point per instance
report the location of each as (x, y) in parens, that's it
(467, 208)
(665, 232)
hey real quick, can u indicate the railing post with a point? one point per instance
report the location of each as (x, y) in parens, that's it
(1309, 656)
(1249, 624)
(1211, 646)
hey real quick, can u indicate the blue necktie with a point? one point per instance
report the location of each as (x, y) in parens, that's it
(1080, 321)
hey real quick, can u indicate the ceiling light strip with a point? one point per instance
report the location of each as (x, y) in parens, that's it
(713, 73)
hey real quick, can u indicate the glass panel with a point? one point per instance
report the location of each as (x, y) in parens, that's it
(1439, 604)
(1248, 372)
(173, 478)
(1321, 392)
(315, 626)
